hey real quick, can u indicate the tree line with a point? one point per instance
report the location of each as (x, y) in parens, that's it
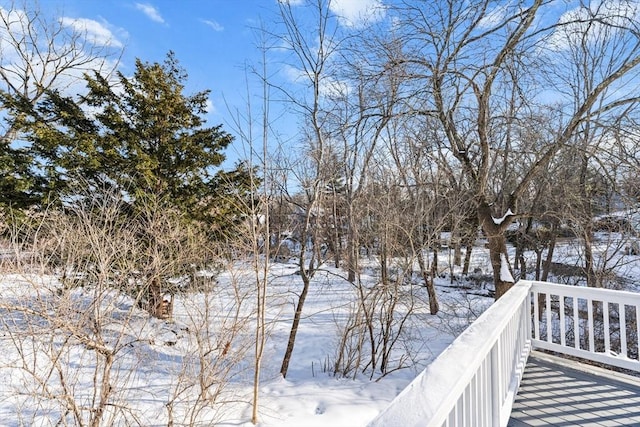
(461, 118)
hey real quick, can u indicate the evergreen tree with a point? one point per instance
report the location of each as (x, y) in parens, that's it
(143, 139)
(142, 135)
(16, 181)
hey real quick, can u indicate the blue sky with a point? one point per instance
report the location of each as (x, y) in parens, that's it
(216, 41)
(212, 39)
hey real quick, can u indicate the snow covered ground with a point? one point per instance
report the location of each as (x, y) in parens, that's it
(197, 369)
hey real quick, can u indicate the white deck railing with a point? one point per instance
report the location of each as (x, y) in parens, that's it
(475, 380)
(594, 324)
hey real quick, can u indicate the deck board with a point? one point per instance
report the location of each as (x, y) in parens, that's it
(563, 393)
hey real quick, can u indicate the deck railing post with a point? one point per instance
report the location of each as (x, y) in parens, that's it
(495, 386)
(529, 317)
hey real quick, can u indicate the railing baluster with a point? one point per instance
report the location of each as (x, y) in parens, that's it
(548, 316)
(487, 391)
(475, 404)
(536, 315)
(623, 329)
(495, 386)
(576, 323)
(470, 402)
(482, 401)
(638, 331)
(473, 399)
(526, 317)
(590, 324)
(563, 326)
(607, 328)
(505, 347)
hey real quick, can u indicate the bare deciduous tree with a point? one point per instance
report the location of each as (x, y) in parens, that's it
(38, 54)
(463, 54)
(311, 49)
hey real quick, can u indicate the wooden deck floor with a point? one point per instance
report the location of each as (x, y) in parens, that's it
(555, 392)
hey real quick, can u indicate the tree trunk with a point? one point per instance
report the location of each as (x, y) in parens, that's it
(434, 263)
(336, 238)
(500, 264)
(457, 251)
(434, 307)
(294, 326)
(336, 253)
(157, 306)
(522, 263)
(105, 389)
(538, 263)
(589, 262)
(587, 220)
(497, 243)
(351, 248)
(467, 259)
(549, 259)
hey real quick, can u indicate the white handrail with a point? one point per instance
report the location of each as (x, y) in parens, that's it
(475, 380)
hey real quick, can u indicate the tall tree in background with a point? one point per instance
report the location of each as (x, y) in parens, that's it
(467, 59)
(311, 52)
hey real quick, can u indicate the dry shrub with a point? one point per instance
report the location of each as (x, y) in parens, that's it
(76, 341)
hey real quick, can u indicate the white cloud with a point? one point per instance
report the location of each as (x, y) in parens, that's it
(291, 2)
(210, 107)
(151, 12)
(331, 87)
(593, 20)
(93, 31)
(351, 13)
(292, 74)
(328, 86)
(358, 13)
(213, 24)
(494, 17)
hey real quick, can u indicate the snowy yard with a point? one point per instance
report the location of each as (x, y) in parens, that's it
(197, 368)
